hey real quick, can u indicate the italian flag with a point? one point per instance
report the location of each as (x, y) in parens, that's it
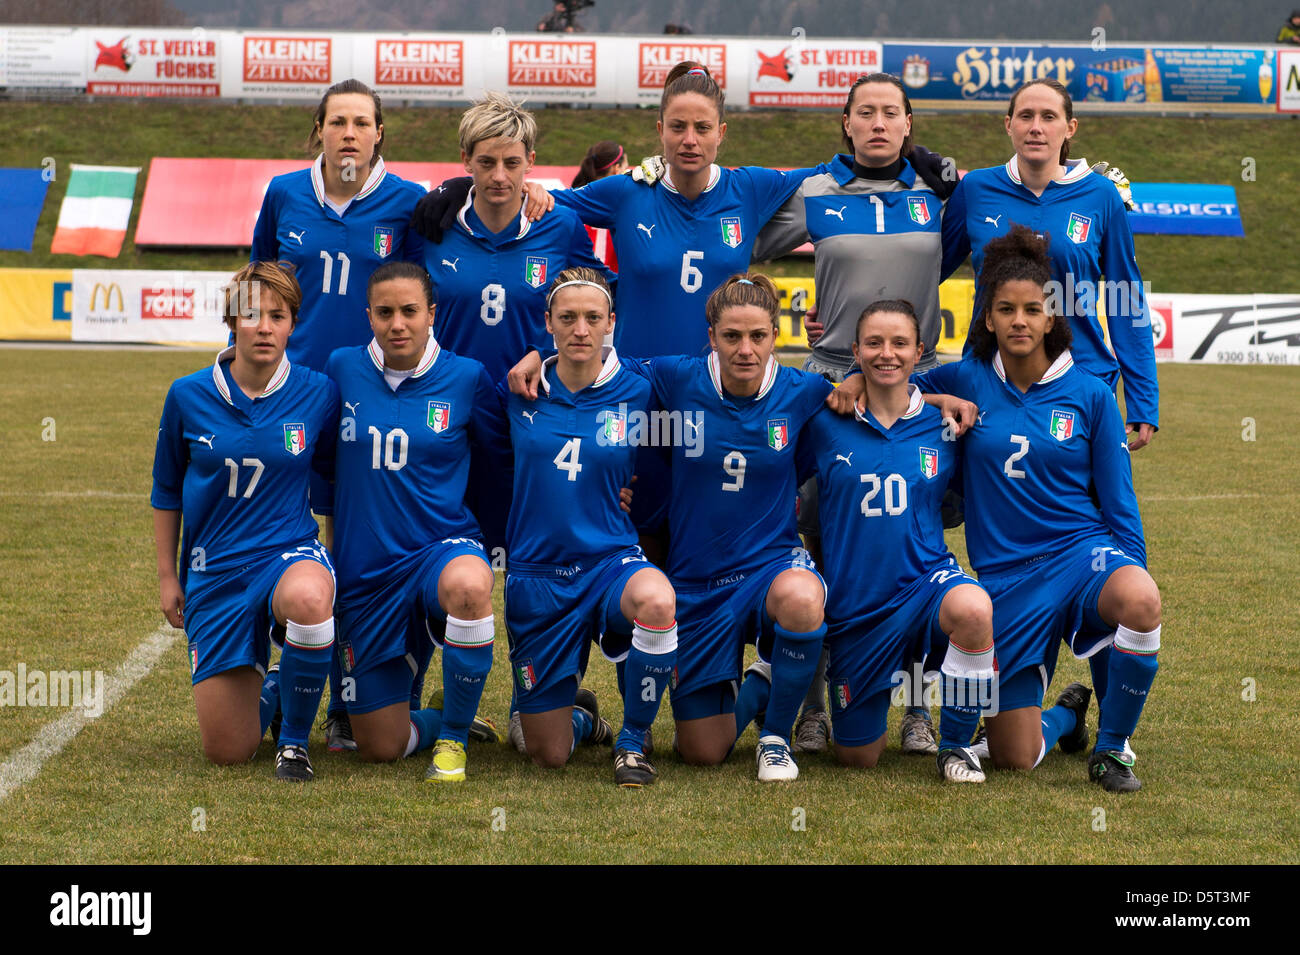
(95, 211)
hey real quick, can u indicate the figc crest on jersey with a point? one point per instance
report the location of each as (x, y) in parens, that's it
(1062, 426)
(918, 210)
(778, 434)
(615, 427)
(1078, 228)
(535, 271)
(439, 416)
(929, 462)
(526, 675)
(383, 241)
(843, 697)
(295, 439)
(731, 236)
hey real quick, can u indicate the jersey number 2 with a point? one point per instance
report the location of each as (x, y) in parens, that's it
(1009, 466)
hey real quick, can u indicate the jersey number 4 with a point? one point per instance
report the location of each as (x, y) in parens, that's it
(567, 459)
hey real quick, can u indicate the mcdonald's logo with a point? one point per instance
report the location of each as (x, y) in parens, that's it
(108, 291)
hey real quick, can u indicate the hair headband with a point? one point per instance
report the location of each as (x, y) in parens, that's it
(564, 285)
(613, 161)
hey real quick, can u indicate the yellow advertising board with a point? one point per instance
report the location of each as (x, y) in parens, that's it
(956, 302)
(36, 304)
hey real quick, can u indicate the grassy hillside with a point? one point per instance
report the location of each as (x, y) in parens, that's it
(1149, 149)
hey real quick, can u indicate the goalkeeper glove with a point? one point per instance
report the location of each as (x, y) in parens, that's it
(1122, 185)
(650, 171)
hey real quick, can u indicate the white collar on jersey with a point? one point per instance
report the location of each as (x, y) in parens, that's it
(769, 375)
(431, 352)
(1075, 169)
(914, 405)
(275, 384)
(372, 181)
(608, 369)
(1055, 370)
(524, 224)
(715, 173)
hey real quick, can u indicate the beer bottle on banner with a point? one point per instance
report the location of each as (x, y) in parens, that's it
(1152, 80)
(1265, 80)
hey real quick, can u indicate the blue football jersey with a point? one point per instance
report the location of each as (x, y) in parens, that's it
(734, 478)
(1029, 463)
(491, 287)
(673, 252)
(403, 457)
(334, 255)
(572, 455)
(880, 492)
(237, 467)
(1087, 228)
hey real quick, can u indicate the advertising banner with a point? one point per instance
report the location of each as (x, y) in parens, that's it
(811, 73)
(148, 306)
(1185, 208)
(42, 58)
(36, 304)
(421, 67)
(289, 65)
(145, 61)
(1288, 81)
(552, 71)
(641, 78)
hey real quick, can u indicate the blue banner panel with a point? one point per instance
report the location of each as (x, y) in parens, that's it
(1213, 76)
(26, 191)
(1185, 208)
(982, 72)
(1121, 74)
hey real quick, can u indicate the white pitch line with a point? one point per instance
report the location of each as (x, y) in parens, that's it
(122, 495)
(1142, 498)
(23, 766)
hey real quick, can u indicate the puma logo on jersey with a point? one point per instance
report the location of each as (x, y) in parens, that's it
(848, 460)
(352, 408)
(528, 415)
(208, 441)
(297, 235)
(649, 232)
(452, 265)
(994, 221)
(694, 425)
(838, 213)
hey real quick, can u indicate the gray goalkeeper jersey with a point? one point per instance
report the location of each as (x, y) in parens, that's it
(874, 239)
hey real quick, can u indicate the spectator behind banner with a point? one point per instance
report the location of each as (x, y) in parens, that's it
(563, 17)
(605, 158)
(1289, 35)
